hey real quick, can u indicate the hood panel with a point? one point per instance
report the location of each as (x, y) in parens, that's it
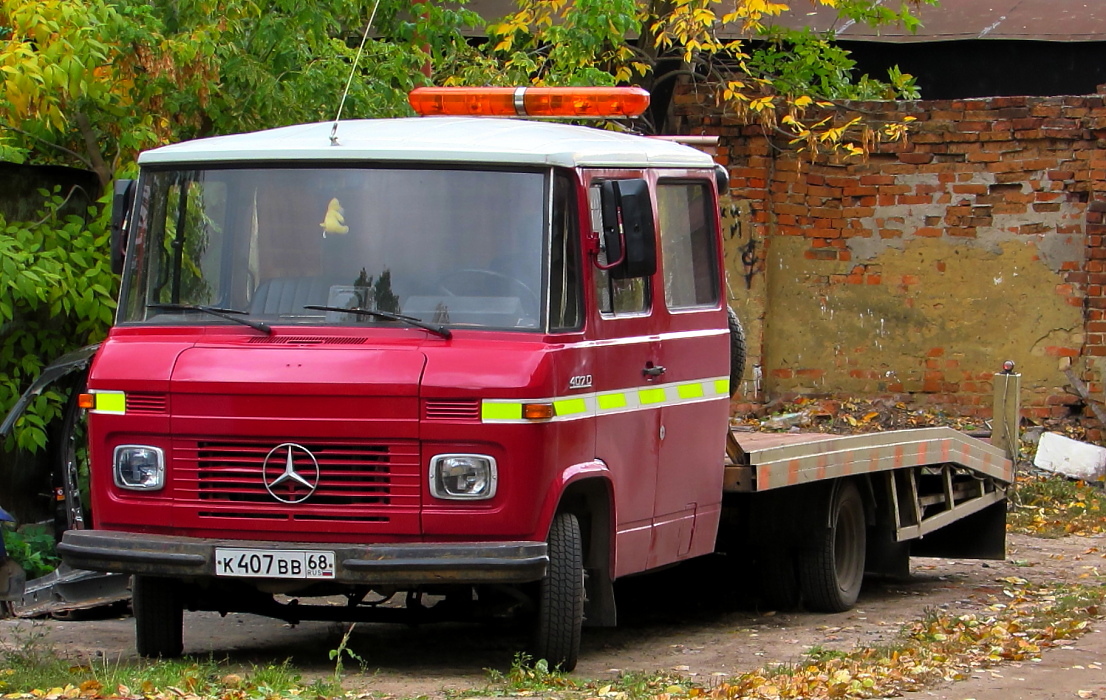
(299, 371)
(301, 392)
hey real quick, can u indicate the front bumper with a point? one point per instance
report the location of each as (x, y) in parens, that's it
(407, 564)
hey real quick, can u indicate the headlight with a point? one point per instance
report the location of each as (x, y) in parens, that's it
(139, 467)
(462, 477)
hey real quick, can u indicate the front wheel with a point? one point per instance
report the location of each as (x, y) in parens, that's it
(561, 601)
(158, 617)
(832, 570)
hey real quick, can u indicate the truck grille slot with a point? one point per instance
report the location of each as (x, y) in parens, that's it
(452, 409)
(289, 516)
(138, 402)
(358, 482)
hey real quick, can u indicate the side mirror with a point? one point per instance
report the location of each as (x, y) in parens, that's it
(629, 233)
(121, 200)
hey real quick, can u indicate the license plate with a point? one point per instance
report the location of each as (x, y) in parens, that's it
(274, 563)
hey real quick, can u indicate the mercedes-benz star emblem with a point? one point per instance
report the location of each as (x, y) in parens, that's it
(282, 479)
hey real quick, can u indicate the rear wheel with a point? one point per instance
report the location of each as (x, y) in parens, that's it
(158, 617)
(561, 601)
(832, 571)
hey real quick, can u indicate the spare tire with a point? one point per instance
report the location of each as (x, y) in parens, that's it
(737, 350)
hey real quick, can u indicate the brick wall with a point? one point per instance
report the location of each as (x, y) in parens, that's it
(915, 273)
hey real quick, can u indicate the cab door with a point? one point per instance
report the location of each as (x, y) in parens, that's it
(695, 358)
(625, 334)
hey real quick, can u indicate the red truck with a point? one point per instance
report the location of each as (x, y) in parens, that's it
(484, 363)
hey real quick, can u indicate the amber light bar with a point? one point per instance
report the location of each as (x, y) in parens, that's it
(577, 102)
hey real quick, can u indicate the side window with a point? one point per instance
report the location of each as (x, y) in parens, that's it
(688, 255)
(616, 296)
(565, 303)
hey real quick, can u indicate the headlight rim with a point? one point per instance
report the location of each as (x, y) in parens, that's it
(492, 477)
(160, 466)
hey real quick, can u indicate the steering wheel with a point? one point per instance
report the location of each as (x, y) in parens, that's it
(531, 298)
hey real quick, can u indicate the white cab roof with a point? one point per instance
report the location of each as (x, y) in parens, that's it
(461, 140)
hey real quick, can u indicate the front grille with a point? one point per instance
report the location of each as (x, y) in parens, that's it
(357, 481)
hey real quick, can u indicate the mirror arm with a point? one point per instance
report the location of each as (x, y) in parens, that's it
(595, 247)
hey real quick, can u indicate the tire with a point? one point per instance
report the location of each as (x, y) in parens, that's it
(561, 601)
(158, 617)
(737, 350)
(832, 571)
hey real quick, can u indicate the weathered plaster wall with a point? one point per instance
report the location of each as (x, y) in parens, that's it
(916, 273)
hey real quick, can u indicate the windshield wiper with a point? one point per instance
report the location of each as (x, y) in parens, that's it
(418, 323)
(228, 314)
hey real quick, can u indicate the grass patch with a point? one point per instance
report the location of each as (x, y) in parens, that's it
(31, 667)
(1054, 506)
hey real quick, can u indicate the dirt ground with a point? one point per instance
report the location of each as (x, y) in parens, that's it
(692, 620)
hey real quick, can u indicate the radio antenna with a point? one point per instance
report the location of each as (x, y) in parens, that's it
(352, 70)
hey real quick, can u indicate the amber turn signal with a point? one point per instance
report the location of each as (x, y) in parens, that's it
(537, 411)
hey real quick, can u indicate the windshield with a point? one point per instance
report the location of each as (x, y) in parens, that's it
(460, 248)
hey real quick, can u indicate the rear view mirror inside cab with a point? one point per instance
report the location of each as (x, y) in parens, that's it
(629, 233)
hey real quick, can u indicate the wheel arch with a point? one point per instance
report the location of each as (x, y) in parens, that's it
(586, 491)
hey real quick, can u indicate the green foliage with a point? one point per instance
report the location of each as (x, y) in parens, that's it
(528, 676)
(56, 290)
(338, 655)
(802, 62)
(33, 548)
(92, 83)
(771, 77)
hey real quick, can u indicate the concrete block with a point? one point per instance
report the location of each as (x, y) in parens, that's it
(1072, 458)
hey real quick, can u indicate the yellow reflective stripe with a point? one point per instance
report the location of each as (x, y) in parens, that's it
(110, 402)
(690, 391)
(589, 405)
(609, 402)
(650, 396)
(567, 407)
(500, 411)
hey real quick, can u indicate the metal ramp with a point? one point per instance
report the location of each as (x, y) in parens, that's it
(933, 476)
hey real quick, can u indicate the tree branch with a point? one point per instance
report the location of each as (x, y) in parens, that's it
(98, 165)
(51, 144)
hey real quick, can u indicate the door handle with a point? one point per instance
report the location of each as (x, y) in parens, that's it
(653, 370)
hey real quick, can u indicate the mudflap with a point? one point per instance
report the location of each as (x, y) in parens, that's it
(981, 535)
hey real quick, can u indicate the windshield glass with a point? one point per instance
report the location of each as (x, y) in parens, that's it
(462, 248)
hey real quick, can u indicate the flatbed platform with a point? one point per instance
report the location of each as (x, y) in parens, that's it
(933, 476)
(762, 461)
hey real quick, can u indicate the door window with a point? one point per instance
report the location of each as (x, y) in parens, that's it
(688, 254)
(616, 296)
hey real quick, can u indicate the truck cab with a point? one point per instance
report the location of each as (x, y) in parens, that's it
(480, 359)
